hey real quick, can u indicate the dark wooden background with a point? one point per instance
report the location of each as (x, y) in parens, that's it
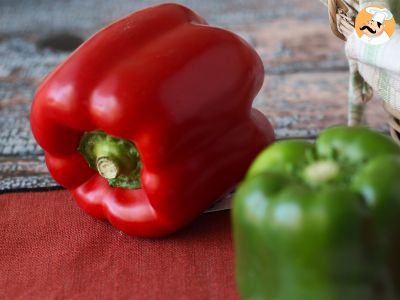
(306, 69)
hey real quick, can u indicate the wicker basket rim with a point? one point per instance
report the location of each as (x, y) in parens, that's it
(391, 110)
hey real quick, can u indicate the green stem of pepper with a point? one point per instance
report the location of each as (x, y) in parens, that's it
(115, 159)
(321, 171)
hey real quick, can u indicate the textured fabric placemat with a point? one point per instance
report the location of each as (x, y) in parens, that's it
(49, 249)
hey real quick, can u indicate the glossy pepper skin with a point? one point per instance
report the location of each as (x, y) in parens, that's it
(320, 221)
(176, 88)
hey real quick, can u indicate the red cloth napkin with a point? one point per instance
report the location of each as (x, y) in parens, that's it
(49, 249)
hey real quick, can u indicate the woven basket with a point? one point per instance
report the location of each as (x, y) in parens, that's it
(342, 20)
(394, 122)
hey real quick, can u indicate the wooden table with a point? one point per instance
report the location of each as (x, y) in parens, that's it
(306, 70)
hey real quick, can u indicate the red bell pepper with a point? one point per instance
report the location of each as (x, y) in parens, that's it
(150, 120)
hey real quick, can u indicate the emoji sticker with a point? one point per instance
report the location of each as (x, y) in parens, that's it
(375, 25)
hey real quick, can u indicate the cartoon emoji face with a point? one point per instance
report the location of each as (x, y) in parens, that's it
(375, 25)
(373, 28)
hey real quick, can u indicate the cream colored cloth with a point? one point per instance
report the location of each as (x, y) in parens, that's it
(379, 65)
(373, 67)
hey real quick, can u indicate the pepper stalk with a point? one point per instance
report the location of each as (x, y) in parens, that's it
(115, 159)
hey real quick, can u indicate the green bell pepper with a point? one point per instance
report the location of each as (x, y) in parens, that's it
(320, 221)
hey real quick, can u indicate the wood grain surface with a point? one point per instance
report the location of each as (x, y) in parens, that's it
(305, 86)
